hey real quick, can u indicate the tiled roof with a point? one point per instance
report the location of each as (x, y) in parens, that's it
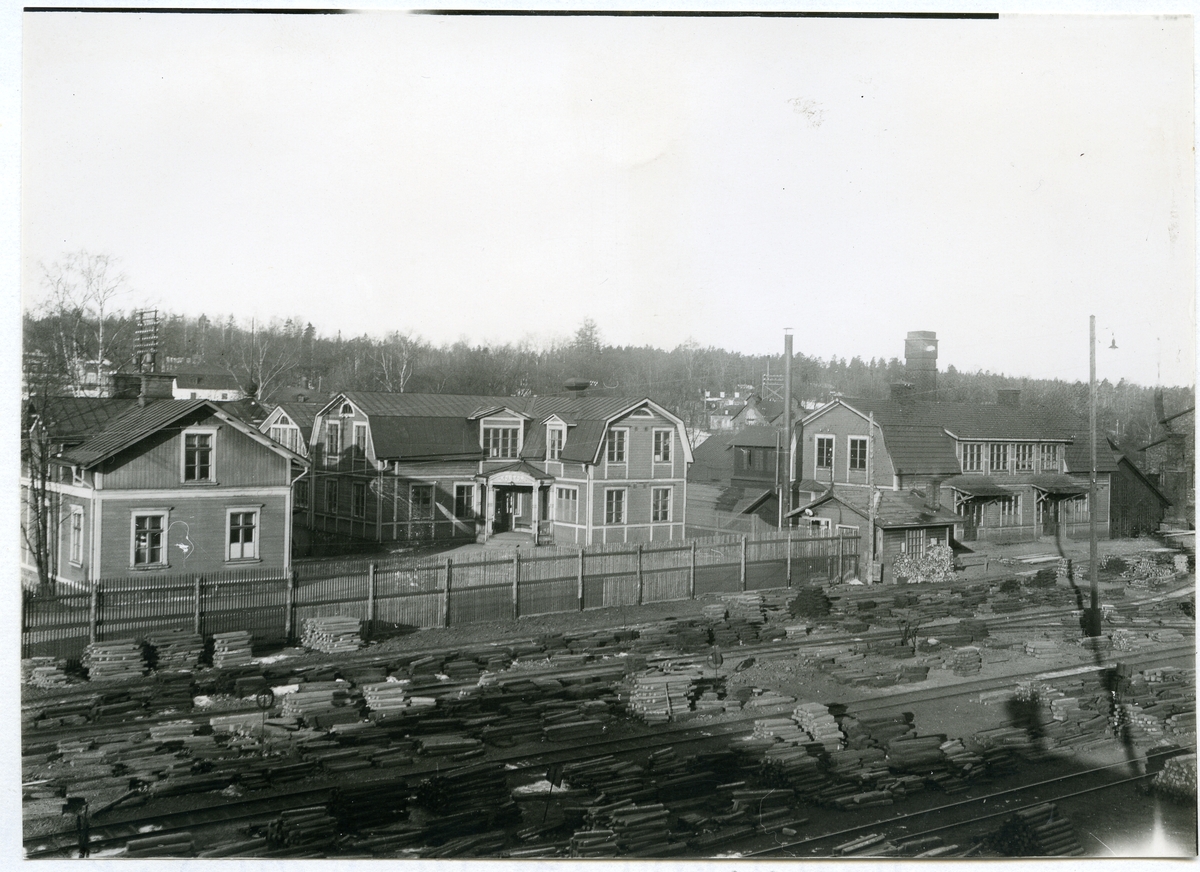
(920, 450)
(133, 426)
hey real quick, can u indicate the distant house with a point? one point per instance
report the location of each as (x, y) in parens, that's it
(733, 482)
(1169, 461)
(577, 469)
(144, 484)
(290, 424)
(211, 384)
(906, 522)
(1138, 505)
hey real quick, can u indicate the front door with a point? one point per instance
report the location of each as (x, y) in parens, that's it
(502, 521)
(1048, 509)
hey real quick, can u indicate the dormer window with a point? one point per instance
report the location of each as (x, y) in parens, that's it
(554, 443)
(500, 443)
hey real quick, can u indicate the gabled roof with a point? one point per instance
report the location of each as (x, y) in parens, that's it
(895, 509)
(1125, 461)
(140, 422)
(74, 419)
(757, 436)
(300, 414)
(520, 467)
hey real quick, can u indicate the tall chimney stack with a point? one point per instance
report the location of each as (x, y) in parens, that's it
(920, 363)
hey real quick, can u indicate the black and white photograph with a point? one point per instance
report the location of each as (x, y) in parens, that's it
(614, 433)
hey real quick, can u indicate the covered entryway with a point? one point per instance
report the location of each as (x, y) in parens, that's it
(1051, 490)
(515, 500)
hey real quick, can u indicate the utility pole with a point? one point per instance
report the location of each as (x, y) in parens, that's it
(1092, 627)
(871, 496)
(785, 498)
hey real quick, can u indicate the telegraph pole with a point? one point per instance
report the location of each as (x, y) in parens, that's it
(785, 498)
(1093, 622)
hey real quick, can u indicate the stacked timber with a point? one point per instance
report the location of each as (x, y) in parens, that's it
(311, 829)
(1177, 779)
(1041, 831)
(114, 661)
(626, 829)
(448, 744)
(176, 649)
(715, 612)
(332, 634)
(795, 767)
(966, 661)
(916, 754)
(1041, 648)
(321, 704)
(389, 698)
(232, 649)
(659, 697)
(780, 730)
(862, 731)
(166, 845)
(479, 791)
(44, 671)
(746, 607)
(815, 719)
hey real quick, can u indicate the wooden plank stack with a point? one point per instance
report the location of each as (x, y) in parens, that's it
(1041, 648)
(659, 697)
(332, 634)
(232, 649)
(44, 672)
(1041, 831)
(815, 719)
(176, 649)
(1177, 779)
(114, 661)
(966, 661)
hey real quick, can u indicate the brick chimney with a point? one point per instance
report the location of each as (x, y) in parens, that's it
(156, 386)
(920, 363)
(933, 493)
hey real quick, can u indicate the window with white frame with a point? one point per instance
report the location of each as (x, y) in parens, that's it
(1010, 510)
(464, 500)
(998, 457)
(616, 445)
(148, 545)
(197, 455)
(914, 541)
(358, 499)
(288, 437)
(847, 530)
(331, 496)
(420, 505)
(660, 504)
(662, 445)
(333, 441)
(818, 526)
(614, 506)
(972, 458)
(1049, 458)
(824, 452)
(858, 453)
(75, 550)
(300, 489)
(554, 443)
(243, 534)
(501, 442)
(1023, 454)
(360, 439)
(567, 509)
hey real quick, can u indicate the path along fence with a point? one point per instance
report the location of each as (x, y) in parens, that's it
(436, 591)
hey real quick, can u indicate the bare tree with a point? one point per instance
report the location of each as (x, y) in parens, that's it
(38, 525)
(265, 359)
(81, 292)
(394, 358)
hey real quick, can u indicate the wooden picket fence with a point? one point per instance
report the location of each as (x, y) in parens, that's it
(434, 591)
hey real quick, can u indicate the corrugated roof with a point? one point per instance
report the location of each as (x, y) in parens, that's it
(133, 426)
(410, 437)
(78, 418)
(430, 405)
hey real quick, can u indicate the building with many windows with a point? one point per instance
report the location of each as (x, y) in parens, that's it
(141, 483)
(574, 469)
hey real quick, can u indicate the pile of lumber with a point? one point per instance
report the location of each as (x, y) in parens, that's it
(626, 828)
(232, 649)
(389, 698)
(659, 697)
(176, 649)
(333, 634)
(780, 730)
(320, 703)
(966, 661)
(1041, 831)
(1177, 779)
(312, 828)
(166, 845)
(1041, 648)
(916, 754)
(746, 607)
(864, 731)
(114, 661)
(815, 719)
(44, 671)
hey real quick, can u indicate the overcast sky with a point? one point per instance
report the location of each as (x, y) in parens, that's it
(714, 180)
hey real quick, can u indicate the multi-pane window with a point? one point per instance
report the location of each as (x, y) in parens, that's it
(464, 500)
(567, 509)
(288, 437)
(76, 550)
(1023, 453)
(972, 456)
(998, 457)
(333, 440)
(421, 502)
(914, 541)
(500, 442)
(243, 544)
(197, 457)
(331, 496)
(301, 491)
(824, 452)
(360, 440)
(662, 446)
(616, 445)
(858, 452)
(660, 504)
(358, 499)
(1010, 511)
(554, 443)
(1077, 509)
(1049, 458)
(614, 507)
(148, 540)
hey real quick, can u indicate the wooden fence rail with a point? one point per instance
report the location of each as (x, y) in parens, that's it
(428, 591)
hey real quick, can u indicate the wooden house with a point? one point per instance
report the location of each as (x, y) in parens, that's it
(150, 485)
(576, 469)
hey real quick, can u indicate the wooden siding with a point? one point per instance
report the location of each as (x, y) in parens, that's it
(197, 521)
(841, 423)
(157, 462)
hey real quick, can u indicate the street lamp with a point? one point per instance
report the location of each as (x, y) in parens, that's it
(1092, 617)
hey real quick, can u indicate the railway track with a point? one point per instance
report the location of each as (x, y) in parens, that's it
(526, 762)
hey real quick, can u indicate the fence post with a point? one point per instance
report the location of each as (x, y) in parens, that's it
(580, 575)
(789, 558)
(692, 572)
(742, 569)
(289, 605)
(516, 582)
(196, 606)
(640, 580)
(446, 596)
(370, 596)
(94, 611)
(841, 565)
